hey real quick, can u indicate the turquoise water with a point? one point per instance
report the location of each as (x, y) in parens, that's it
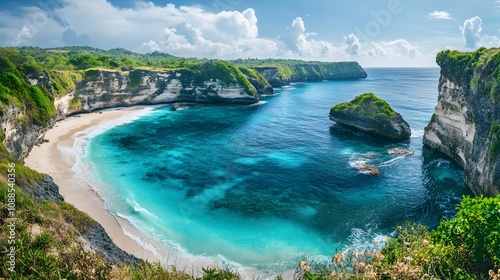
(263, 185)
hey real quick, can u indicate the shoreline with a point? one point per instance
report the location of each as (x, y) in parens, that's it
(48, 158)
(51, 158)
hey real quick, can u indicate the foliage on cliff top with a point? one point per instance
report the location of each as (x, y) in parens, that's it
(366, 105)
(36, 103)
(464, 247)
(251, 73)
(81, 58)
(226, 72)
(479, 69)
(299, 70)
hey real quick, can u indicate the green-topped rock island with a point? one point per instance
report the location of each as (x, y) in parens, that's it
(370, 114)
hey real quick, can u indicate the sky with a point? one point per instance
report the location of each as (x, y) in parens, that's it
(376, 33)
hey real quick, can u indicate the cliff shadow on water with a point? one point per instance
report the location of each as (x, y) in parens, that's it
(443, 182)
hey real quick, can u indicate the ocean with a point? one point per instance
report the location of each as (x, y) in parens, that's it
(263, 186)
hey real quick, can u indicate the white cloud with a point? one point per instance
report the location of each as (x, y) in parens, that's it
(353, 47)
(471, 31)
(440, 15)
(150, 46)
(297, 42)
(187, 31)
(398, 47)
(489, 41)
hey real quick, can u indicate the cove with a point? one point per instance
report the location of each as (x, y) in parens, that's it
(264, 185)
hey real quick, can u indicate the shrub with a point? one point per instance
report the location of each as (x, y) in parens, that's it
(495, 145)
(367, 105)
(475, 231)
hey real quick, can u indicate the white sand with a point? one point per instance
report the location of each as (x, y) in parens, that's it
(47, 158)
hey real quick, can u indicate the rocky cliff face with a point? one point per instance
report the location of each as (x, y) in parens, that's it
(467, 111)
(20, 134)
(104, 89)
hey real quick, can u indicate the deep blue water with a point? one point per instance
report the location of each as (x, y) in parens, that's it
(264, 185)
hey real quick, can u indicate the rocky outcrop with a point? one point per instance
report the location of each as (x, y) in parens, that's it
(367, 169)
(95, 235)
(400, 152)
(19, 136)
(100, 241)
(371, 114)
(466, 113)
(46, 189)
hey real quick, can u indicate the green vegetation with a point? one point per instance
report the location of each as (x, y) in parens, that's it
(36, 103)
(74, 103)
(465, 247)
(297, 70)
(81, 58)
(495, 145)
(226, 72)
(249, 72)
(480, 69)
(366, 105)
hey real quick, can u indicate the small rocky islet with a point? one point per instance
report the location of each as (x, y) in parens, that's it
(370, 114)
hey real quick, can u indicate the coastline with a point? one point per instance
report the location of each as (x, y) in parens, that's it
(49, 159)
(58, 158)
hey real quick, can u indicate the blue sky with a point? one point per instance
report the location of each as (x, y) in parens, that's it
(373, 32)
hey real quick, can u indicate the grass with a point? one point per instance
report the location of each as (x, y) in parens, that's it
(366, 105)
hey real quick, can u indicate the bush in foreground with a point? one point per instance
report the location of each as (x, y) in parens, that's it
(465, 247)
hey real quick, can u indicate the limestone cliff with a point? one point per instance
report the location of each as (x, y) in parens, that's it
(102, 89)
(468, 110)
(288, 72)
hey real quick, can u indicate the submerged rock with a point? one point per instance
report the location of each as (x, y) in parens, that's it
(400, 151)
(371, 114)
(367, 169)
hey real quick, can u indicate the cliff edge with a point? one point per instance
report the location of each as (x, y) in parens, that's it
(467, 117)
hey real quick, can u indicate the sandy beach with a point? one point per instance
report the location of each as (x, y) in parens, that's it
(48, 158)
(58, 157)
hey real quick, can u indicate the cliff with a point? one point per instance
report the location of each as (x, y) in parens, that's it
(34, 99)
(283, 72)
(109, 88)
(467, 115)
(370, 114)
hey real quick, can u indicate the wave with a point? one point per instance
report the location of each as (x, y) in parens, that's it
(173, 254)
(417, 133)
(261, 102)
(139, 209)
(392, 161)
(361, 240)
